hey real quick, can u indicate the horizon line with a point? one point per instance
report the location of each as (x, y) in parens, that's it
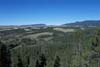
(45, 23)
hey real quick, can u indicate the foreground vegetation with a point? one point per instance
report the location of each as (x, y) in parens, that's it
(50, 47)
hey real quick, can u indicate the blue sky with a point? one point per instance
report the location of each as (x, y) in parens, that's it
(19, 12)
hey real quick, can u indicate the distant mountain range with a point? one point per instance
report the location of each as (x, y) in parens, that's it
(89, 23)
(23, 26)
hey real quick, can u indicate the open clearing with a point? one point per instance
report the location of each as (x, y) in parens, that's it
(64, 30)
(38, 34)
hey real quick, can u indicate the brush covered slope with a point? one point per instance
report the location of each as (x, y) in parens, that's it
(51, 47)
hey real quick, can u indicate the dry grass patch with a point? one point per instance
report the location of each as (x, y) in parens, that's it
(39, 34)
(64, 30)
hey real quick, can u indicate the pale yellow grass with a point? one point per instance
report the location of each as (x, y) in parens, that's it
(39, 34)
(64, 30)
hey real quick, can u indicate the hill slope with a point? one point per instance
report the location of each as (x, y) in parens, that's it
(89, 23)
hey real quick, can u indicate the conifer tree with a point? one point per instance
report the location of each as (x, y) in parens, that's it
(5, 58)
(37, 64)
(20, 64)
(42, 61)
(57, 62)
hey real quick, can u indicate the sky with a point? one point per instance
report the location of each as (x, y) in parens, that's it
(51, 12)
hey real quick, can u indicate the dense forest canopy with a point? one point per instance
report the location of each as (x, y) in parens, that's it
(50, 47)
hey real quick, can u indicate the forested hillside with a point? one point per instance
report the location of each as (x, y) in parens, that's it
(50, 47)
(87, 23)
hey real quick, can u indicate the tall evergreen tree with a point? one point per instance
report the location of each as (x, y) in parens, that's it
(95, 51)
(42, 60)
(57, 62)
(20, 64)
(28, 61)
(5, 58)
(37, 64)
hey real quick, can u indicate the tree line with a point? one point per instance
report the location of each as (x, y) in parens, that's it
(5, 58)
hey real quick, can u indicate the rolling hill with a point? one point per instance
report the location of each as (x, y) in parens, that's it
(88, 23)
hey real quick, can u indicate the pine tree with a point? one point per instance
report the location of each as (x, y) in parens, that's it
(28, 61)
(57, 62)
(37, 64)
(42, 61)
(20, 64)
(95, 51)
(5, 58)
